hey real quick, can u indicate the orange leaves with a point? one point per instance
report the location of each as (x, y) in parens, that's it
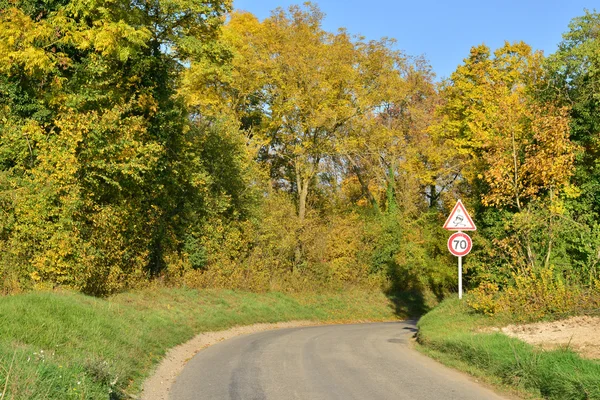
(551, 155)
(519, 147)
(536, 157)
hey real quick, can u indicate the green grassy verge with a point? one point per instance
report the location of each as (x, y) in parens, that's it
(456, 336)
(70, 346)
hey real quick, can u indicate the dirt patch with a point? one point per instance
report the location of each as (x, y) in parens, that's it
(581, 334)
(158, 385)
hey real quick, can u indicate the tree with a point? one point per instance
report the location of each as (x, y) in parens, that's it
(93, 145)
(504, 137)
(297, 92)
(393, 153)
(573, 82)
(514, 149)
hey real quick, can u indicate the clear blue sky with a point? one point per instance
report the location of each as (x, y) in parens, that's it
(444, 31)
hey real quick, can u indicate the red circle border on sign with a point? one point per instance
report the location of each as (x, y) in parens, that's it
(469, 244)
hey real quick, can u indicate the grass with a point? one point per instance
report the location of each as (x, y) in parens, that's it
(457, 336)
(70, 346)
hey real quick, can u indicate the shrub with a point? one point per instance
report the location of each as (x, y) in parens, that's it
(484, 299)
(534, 295)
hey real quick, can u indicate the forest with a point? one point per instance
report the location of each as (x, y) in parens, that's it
(183, 143)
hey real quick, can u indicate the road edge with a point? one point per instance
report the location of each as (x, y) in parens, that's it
(158, 385)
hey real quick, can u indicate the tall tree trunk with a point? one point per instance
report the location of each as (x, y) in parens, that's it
(391, 189)
(302, 197)
(302, 183)
(530, 257)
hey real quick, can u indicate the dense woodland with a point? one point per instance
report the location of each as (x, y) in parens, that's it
(181, 142)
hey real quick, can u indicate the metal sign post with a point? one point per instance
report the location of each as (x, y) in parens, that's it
(459, 243)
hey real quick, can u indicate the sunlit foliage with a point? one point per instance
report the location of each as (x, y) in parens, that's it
(182, 142)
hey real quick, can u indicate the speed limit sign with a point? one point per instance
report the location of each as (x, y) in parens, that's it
(460, 244)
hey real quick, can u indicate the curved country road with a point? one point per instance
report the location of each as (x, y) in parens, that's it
(335, 362)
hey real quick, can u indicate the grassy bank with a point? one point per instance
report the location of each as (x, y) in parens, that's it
(456, 336)
(70, 346)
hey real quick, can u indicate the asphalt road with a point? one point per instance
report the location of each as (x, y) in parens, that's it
(363, 362)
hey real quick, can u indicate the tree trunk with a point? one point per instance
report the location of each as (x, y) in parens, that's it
(530, 257)
(302, 183)
(302, 196)
(391, 189)
(550, 232)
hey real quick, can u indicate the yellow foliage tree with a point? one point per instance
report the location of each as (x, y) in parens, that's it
(515, 147)
(520, 149)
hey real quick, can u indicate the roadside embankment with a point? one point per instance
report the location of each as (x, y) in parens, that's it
(69, 346)
(459, 337)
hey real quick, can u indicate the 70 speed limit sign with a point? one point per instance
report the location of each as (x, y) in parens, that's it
(460, 244)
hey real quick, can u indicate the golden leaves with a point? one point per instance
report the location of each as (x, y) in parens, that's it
(520, 148)
(23, 41)
(116, 39)
(32, 45)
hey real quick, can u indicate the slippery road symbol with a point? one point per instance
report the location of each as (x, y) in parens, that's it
(459, 219)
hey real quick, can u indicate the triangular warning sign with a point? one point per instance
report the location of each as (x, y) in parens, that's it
(459, 219)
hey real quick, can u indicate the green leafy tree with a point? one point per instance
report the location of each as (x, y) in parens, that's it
(93, 141)
(573, 82)
(573, 72)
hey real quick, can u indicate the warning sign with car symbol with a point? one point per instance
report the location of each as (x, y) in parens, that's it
(459, 219)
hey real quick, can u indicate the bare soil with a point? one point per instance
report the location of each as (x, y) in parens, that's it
(580, 334)
(157, 386)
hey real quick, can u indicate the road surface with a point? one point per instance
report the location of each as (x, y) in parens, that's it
(335, 362)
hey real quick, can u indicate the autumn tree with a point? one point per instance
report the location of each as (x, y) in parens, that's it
(506, 139)
(393, 154)
(296, 91)
(515, 150)
(94, 150)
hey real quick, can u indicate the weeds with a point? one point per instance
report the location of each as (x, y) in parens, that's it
(458, 333)
(2, 395)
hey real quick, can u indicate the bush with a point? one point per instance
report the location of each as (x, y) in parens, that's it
(534, 295)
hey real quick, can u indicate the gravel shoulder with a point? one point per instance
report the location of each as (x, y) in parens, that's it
(579, 334)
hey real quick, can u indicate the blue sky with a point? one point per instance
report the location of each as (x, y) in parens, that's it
(444, 31)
